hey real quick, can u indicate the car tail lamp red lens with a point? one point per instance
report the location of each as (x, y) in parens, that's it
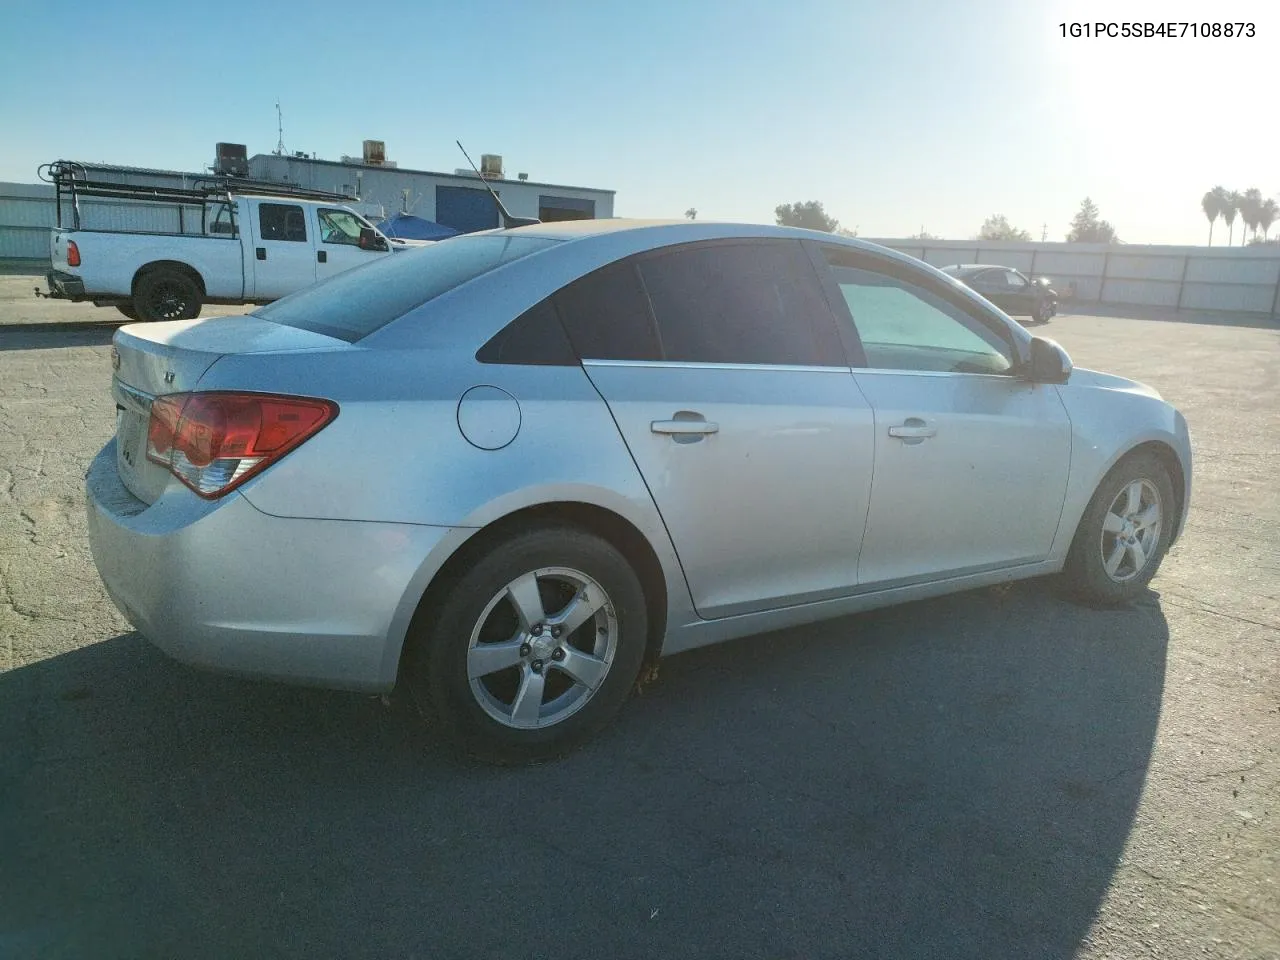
(215, 441)
(73, 254)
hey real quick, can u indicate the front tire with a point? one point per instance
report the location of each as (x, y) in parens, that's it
(534, 648)
(165, 293)
(1123, 534)
(1044, 310)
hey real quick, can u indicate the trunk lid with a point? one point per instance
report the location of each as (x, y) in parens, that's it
(154, 359)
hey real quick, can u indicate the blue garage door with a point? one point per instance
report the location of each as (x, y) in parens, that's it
(465, 208)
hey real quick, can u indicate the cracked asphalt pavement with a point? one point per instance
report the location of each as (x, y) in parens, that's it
(995, 774)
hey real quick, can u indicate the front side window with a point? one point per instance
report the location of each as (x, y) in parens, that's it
(282, 221)
(1014, 279)
(745, 303)
(905, 327)
(340, 226)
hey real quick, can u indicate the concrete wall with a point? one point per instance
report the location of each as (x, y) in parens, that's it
(1232, 279)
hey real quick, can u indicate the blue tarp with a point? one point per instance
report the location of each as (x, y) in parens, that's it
(408, 227)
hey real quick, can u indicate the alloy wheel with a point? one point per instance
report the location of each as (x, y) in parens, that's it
(541, 648)
(1131, 530)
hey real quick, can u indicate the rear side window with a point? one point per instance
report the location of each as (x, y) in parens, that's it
(357, 302)
(282, 221)
(607, 317)
(535, 338)
(754, 302)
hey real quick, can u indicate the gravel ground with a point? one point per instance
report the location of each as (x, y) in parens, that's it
(995, 774)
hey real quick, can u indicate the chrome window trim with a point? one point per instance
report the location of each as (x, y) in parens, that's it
(703, 365)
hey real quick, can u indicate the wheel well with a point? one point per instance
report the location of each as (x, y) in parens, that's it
(622, 534)
(1165, 454)
(174, 265)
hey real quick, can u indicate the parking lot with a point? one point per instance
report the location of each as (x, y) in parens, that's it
(996, 774)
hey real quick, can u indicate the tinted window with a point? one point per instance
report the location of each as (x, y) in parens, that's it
(905, 327)
(607, 317)
(741, 303)
(534, 338)
(1014, 279)
(354, 303)
(282, 221)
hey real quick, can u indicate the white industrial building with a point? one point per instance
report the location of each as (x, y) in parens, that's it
(377, 188)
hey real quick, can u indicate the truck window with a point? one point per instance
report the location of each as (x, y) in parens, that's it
(340, 226)
(223, 223)
(282, 221)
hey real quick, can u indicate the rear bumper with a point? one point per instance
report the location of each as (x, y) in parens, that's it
(64, 285)
(224, 586)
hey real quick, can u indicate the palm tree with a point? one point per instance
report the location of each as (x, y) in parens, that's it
(1209, 203)
(1251, 208)
(1267, 214)
(1229, 209)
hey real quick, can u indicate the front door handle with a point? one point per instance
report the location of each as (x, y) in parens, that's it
(914, 430)
(322, 256)
(261, 253)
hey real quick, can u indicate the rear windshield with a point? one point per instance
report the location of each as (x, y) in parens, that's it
(357, 302)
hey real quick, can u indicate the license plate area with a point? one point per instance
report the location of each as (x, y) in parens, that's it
(133, 417)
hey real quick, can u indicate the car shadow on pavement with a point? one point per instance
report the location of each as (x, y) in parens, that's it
(952, 778)
(51, 336)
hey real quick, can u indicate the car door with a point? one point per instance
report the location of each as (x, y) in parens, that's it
(284, 256)
(970, 460)
(338, 242)
(1021, 296)
(993, 285)
(722, 366)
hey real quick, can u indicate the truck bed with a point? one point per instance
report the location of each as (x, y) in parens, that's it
(110, 260)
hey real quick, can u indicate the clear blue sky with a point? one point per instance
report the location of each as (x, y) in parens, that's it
(896, 115)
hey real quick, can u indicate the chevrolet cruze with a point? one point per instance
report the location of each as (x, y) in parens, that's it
(508, 470)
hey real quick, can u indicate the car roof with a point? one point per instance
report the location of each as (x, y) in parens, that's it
(660, 233)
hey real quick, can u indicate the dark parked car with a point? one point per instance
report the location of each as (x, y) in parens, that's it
(1013, 292)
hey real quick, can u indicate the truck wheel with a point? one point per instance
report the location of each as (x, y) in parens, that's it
(127, 310)
(166, 294)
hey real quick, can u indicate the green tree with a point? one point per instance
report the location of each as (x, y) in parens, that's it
(1250, 206)
(1267, 214)
(808, 214)
(1230, 207)
(998, 227)
(1087, 227)
(692, 213)
(923, 235)
(1211, 204)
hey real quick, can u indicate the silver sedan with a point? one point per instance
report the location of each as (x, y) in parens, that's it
(508, 470)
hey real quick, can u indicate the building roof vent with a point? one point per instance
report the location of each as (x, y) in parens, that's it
(491, 166)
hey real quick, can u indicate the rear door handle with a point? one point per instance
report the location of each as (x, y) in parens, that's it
(914, 429)
(684, 428)
(262, 253)
(322, 256)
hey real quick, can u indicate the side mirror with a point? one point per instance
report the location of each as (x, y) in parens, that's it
(1049, 362)
(369, 239)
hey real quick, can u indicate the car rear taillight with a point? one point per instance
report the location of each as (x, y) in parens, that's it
(215, 441)
(73, 254)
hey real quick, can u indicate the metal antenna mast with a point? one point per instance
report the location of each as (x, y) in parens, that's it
(280, 151)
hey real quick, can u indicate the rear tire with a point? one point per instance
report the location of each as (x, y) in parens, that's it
(166, 293)
(1123, 534)
(127, 310)
(493, 644)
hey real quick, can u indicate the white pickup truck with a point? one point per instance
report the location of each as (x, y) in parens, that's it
(250, 248)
